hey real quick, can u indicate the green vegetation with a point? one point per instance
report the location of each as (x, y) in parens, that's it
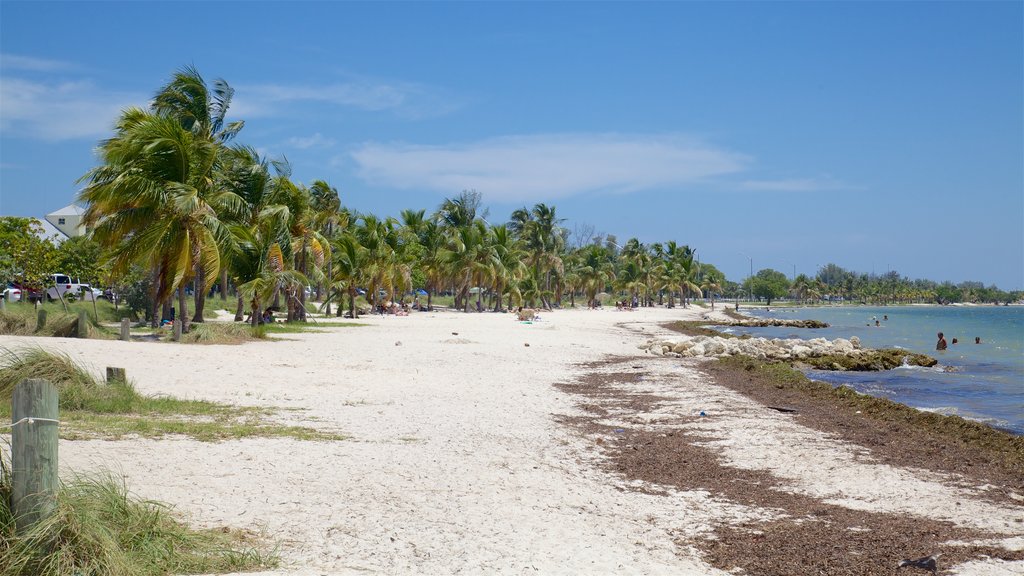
(176, 205)
(99, 528)
(885, 359)
(92, 409)
(769, 284)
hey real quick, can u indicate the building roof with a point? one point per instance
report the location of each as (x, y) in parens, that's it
(69, 210)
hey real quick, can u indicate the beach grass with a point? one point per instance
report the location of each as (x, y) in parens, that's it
(99, 527)
(91, 409)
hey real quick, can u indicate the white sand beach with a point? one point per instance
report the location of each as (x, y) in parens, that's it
(455, 462)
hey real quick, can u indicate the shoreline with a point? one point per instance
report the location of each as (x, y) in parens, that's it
(463, 456)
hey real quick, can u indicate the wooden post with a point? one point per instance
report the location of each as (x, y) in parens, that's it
(115, 374)
(83, 324)
(41, 319)
(33, 452)
(126, 333)
(3, 302)
(177, 329)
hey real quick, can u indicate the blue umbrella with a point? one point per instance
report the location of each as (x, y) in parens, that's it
(421, 292)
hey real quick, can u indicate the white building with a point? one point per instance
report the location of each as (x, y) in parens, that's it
(68, 221)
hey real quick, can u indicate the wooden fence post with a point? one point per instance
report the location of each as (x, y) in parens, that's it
(126, 333)
(33, 452)
(117, 374)
(83, 324)
(41, 319)
(177, 330)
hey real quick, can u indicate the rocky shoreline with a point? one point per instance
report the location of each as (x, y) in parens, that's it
(777, 322)
(838, 354)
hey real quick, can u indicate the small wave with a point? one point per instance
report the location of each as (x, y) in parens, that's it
(954, 411)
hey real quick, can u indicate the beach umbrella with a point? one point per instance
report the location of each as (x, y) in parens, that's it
(421, 292)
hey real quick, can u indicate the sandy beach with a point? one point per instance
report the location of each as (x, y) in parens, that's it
(460, 457)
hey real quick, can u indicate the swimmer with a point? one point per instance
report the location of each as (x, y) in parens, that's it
(941, 344)
(977, 340)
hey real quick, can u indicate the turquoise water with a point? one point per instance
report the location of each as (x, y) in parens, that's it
(983, 382)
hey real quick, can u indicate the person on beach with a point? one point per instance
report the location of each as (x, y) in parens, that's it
(941, 344)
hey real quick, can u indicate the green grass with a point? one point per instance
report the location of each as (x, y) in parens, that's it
(91, 409)
(99, 528)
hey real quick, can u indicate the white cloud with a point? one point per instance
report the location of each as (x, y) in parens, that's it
(60, 110)
(317, 140)
(16, 62)
(793, 185)
(403, 98)
(548, 167)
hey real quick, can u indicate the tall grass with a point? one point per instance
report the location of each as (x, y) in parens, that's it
(99, 528)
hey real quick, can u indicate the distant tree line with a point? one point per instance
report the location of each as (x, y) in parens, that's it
(834, 283)
(177, 207)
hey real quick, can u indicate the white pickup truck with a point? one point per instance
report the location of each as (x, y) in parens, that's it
(62, 285)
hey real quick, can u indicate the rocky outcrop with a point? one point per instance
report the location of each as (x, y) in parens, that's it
(766, 322)
(838, 354)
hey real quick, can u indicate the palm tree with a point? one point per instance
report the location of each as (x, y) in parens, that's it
(329, 218)
(432, 241)
(153, 201)
(506, 262)
(712, 283)
(262, 221)
(202, 112)
(596, 271)
(544, 241)
(309, 249)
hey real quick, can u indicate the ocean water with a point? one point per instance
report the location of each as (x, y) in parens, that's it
(983, 382)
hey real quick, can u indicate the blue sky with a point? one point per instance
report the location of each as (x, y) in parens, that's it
(874, 135)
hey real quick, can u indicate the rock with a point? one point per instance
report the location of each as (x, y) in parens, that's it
(855, 341)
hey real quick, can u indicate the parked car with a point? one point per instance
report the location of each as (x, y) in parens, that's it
(89, 293)
(12, 293)
(32, 295)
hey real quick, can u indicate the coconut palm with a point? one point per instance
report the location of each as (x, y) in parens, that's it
(202, 111)
(262, 221)
(596, 271)
(711, 284)
(506, 262)
(329, 218)
(153, 201)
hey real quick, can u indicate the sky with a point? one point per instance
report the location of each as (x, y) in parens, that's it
(878, 136)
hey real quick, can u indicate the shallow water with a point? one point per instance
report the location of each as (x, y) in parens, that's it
(983, 382)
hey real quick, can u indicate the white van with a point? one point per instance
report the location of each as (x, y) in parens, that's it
(61, 285)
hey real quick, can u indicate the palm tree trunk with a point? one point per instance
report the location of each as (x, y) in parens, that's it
(240, 311)
(327, 309)
(154, 318)
(200, 295)
(224, 284)
(183, 310)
